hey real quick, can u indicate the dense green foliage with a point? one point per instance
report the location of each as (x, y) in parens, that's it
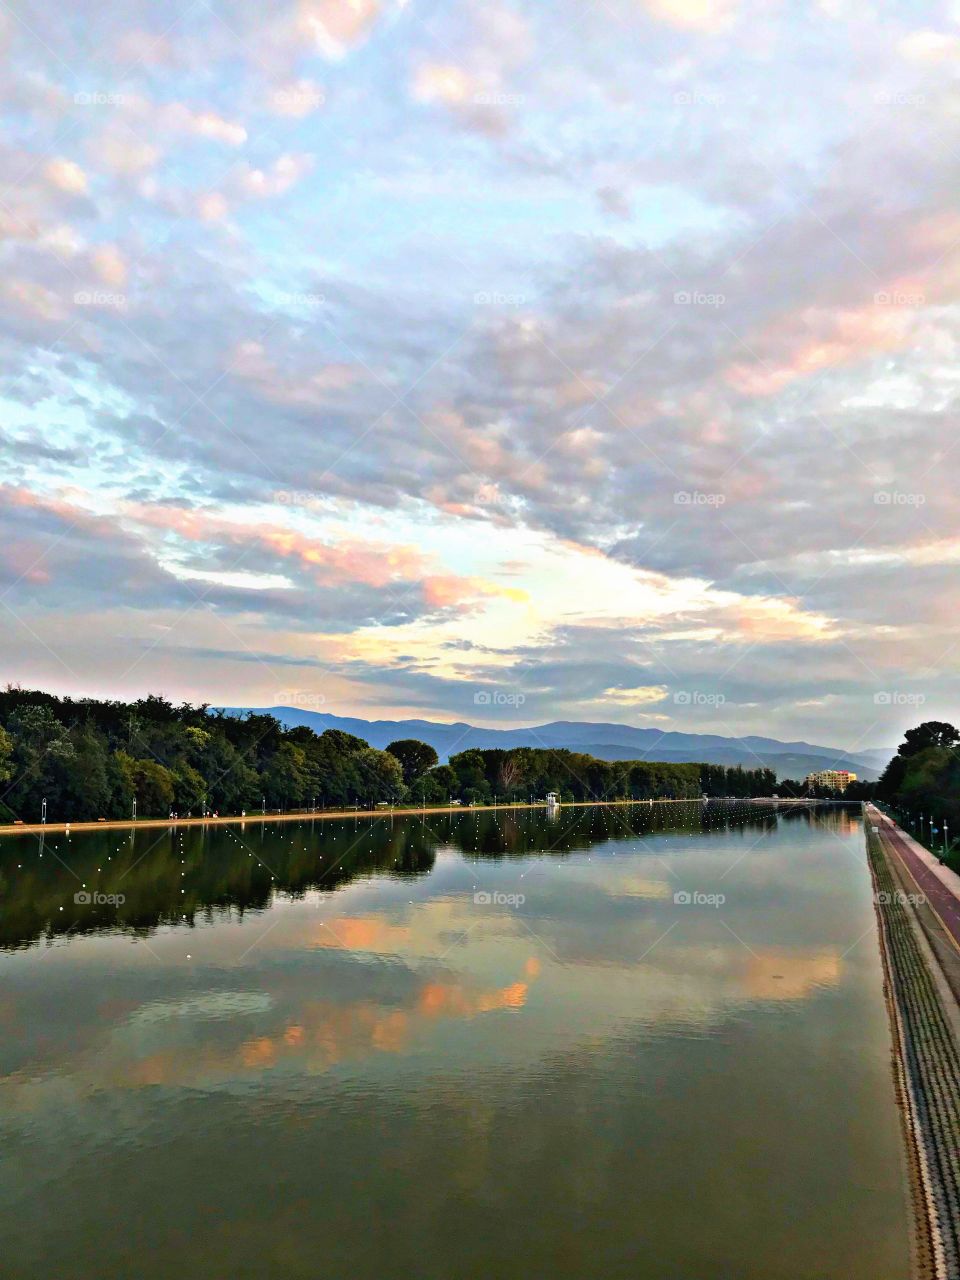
(528, 771)
(91, 759)
(924, 776)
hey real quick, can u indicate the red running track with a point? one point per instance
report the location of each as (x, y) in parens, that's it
(941, 898)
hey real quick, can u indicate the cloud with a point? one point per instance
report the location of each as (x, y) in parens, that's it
(110, 265)
(475, 102)
(930, 46)
(182, 118)
(335, 26)
(678, 371)
(316, 388)
(66, 175)
(706, 16)
(125, 154)
(641, 695)
(285, 172)
(444, 82)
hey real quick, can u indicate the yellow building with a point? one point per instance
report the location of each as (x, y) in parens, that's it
(833, 779)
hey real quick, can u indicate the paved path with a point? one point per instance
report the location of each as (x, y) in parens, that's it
(927, 1065)
(937, 883)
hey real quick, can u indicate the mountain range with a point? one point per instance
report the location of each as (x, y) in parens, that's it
(605, 741)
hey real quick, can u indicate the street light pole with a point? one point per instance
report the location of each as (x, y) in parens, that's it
(43, 811)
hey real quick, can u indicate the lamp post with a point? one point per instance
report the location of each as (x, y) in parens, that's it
(133, 812)
(43, 811)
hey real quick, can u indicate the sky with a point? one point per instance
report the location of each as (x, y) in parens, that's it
(499, 362)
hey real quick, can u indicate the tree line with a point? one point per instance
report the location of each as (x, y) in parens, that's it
(90, 758)
(924, 775)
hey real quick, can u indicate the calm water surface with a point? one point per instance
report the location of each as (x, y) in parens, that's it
(481, 1046)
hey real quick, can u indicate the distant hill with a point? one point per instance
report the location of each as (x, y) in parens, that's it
(605, 741)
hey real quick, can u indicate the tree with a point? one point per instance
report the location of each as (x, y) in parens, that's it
(427, 790)
(446, 780)
(514, 769)
(860, 791)
(285, 778)
(415, 758)
(83, 789)
(933, 733)
(470, 769)
(92, 758)
(6, 751)
(189, 789)
(791, 788)
(154, 786)
(932, 782)
(891, 780)
(41, 747)
(120, 786)
(380, 776)
(344, 744)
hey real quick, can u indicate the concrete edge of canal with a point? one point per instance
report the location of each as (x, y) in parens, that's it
(921, 977)
(369, 815)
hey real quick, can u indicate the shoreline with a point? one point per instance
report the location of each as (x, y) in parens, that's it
(926, 1064)
(126, 824)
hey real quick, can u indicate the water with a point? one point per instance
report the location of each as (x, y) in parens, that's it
(310, 1051)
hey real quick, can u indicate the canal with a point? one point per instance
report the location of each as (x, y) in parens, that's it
(645, 1042)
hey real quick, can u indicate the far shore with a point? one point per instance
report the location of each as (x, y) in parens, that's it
(408, 811)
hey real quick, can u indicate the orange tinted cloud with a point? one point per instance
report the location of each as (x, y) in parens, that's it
(347, 560)
(362, 933)
(779, 974)
(451, 999)
(848, 335)
(449, 590)
(335, 25)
